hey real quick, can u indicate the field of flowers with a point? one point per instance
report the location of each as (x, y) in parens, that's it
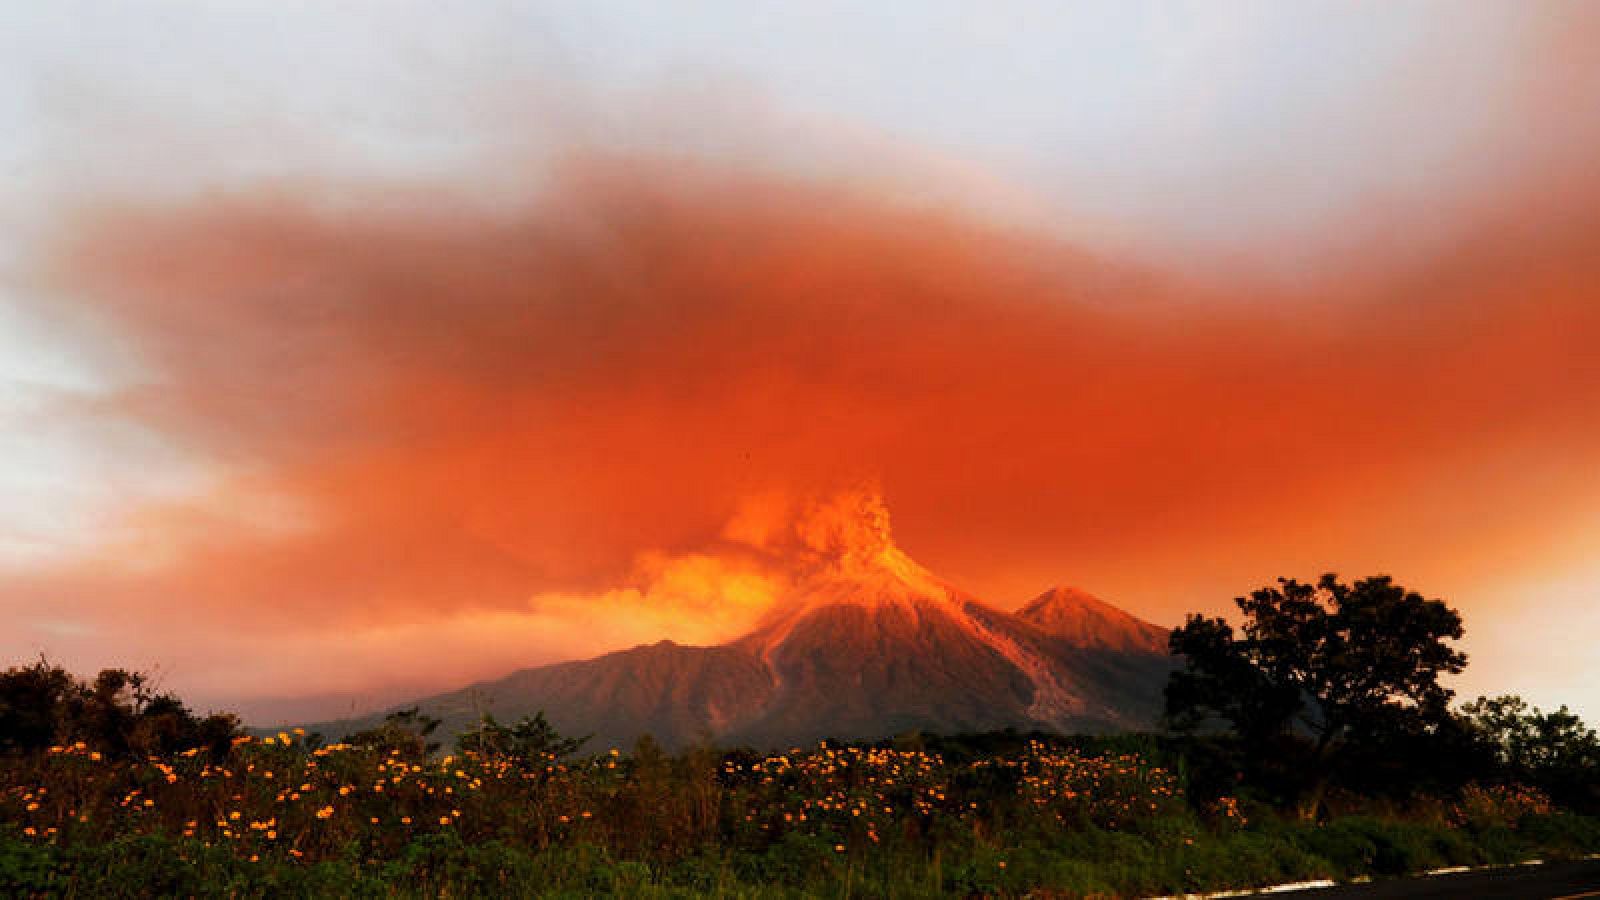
(283, 815)
(279, 797)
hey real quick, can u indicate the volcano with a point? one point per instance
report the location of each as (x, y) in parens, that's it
(866, 644)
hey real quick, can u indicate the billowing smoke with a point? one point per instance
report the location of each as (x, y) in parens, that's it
(587, 415)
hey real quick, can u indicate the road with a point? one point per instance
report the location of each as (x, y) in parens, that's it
(1552, 881)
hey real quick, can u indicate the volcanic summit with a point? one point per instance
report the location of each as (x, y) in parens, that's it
(866, 643)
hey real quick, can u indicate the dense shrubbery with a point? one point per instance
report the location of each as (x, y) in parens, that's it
(118, 714)
(989, 814)
(1554, 752)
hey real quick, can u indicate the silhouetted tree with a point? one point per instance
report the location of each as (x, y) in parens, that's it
(531, 739)
(119, 713)
(405, 730)
(32, 701)
(1554, 751)
(1319, 668)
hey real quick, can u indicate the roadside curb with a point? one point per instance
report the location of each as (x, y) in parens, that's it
(1360, 879)
(1252, 892)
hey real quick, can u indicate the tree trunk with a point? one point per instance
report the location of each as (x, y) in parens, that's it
(1321, 773)
(1311, 799)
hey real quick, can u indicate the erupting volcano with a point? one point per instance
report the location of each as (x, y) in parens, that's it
(864, 644)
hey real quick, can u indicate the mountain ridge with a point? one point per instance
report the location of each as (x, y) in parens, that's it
(866, 644)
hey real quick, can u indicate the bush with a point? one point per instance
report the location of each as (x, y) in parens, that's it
(1499, 806)
(284, 816)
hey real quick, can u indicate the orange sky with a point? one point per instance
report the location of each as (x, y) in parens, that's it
(440, 438)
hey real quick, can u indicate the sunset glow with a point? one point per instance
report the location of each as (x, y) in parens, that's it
(602, 370)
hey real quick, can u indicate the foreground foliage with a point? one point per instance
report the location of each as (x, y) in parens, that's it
(1002, 815)
(1319, 672)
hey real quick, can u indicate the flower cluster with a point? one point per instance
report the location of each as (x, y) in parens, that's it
(865, 795)
(282, 798)
(1502, 805)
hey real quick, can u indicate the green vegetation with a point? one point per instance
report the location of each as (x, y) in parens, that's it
(999, 814)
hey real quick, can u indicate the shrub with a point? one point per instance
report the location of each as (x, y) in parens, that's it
(1500, 806)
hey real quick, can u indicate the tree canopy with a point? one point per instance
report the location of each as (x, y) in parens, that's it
(528, 739)
(1322, 663)
(118, 713)
(409, 732)
(1554, 751)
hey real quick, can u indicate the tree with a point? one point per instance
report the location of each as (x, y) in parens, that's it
(119, 713)
(32, 699)
(530, 739)
(1554, 751)
(406, 730)
(1319, 667)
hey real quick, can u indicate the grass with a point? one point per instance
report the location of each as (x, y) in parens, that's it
(282, 818)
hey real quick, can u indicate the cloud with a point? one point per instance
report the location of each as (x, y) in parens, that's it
(458, 407)
(419, 413)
